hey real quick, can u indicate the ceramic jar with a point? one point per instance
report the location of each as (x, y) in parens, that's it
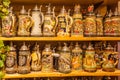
(9, 27)
(36, 64)
(25, 22)
(89, 63)
(47, 59)
(24, 60)
(65, 60)
(11, 60)
(77, 58)
(77, 26)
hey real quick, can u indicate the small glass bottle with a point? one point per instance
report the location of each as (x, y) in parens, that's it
(47, 59)
(24, 59)
(65, 60)
(77, 58)
(11, 60)
(89, 63)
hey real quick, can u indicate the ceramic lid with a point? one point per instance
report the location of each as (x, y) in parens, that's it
(47, 48)
(90, 47)
(65, 48)
(63, 11)
(24, 47)
(77, 9)
(12, 48)
(109, 47)
(23, 11)
(49, 9)
(36, 8)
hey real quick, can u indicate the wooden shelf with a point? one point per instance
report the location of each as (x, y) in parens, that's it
(60, 38)
(57, 74)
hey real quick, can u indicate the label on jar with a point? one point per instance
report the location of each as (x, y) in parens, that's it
(23, 58)
(77, 28)
(89, 60)
(11, 60)
(107, 27)
(62, 25)
(99, 25)
(64, 62)
(90, 26)
(76, 60)
(24, 25)
(47, 63)
(115, 26)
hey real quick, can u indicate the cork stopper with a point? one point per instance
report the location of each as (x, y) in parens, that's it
(36, 8)
(48, 9)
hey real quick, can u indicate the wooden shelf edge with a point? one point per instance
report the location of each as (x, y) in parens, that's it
(60, 38)
(57, 74)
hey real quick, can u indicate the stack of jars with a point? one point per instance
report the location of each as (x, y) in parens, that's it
(63, 59)
(35, 23)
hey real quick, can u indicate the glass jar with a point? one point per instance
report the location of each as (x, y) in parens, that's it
(77, 58)
(47, 59)
(11, 60)
(65, 60)
(24, 59)
(89, 63)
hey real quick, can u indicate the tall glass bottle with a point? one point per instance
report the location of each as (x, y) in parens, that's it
(47, 59)
(65, 60)
(11, 60)
(24, 59)
(77, 58)
(77, 27)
